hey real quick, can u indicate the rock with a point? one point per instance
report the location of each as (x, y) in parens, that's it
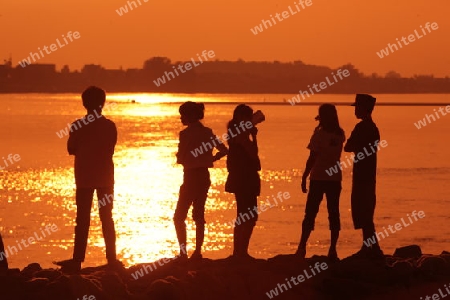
(162, 289)
(412, 251)
(85, 285)
(36, 284)
(112, 284)
(49, 274)
(431, 265)
(29, 271)
(393, 277)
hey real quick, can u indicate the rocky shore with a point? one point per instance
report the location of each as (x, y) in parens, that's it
(407, 274)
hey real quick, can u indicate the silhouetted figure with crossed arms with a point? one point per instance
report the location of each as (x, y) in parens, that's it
(363, 139)
(92, 140)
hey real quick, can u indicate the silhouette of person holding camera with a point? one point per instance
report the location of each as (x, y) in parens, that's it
(92, 140)
(243, 179)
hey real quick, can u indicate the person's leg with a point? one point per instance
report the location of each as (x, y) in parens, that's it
(198, 211)
(369, 231)
(247, 227)
(83, 198)
(333, 193)
(237, 231)
(3, 260)
(108, 229)
(246, 221)
(181, 211)
(313, 200)
(357, 208)
(363, 208)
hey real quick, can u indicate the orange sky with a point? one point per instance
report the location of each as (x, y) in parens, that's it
(329, 33)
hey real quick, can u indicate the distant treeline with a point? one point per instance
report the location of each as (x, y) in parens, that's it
(212, 77)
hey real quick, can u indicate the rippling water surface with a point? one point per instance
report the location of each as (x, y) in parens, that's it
(39, 189)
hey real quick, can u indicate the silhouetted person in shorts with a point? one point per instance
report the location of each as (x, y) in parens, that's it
(362, 142)
(243, 178)
(3, 260)
(195, 153)
(325, 177)
(92, 140)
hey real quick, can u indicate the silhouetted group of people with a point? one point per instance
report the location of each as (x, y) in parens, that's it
(93, 147)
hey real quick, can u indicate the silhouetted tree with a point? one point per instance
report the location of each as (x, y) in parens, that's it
(157, 63)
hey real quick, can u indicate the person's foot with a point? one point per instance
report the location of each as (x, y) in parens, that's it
(373, 252)
(69, 265)
(115, 264)
(362, 253)
(181, 258)
(376, 253)
(301, 252)
(196, 256)
(242, 257)
(332, 255)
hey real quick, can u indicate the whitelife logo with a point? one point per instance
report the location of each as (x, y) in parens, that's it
(432, 118)
(85, 120)
(360, 155)
(124, 9)
(53, 47)
(411, 38)
(12, 158)
(226, 136)
(284, 15)
(323, 85)
(319, 267)
(398, 226)
(31, 240)
(264, 207)
(188, 66)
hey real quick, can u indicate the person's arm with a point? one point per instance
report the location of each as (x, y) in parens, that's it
(181, 149)
(309, 165)
(223, 150)
(114, 139)
(353, 143)
(250, 146)
(72, 141)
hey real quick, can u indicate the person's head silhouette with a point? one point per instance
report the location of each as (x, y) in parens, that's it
(191, 112)
(364, 105)
(242, 112)
(93, 98)
(328, 118)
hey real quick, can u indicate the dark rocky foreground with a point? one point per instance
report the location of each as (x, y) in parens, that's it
(407, 275)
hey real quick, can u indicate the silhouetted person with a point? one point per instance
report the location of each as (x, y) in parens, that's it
(195, 153)
(363, 141)
(3, 260)
(92, 140)
(325, 177)
(243, 179)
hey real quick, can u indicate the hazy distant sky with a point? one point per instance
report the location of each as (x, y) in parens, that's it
(329, 32)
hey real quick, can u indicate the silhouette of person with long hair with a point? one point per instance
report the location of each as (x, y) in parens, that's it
(243, 178)
(195, 153)
(363, 140)
(325, 177)
(3, 260)
(92, 140)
